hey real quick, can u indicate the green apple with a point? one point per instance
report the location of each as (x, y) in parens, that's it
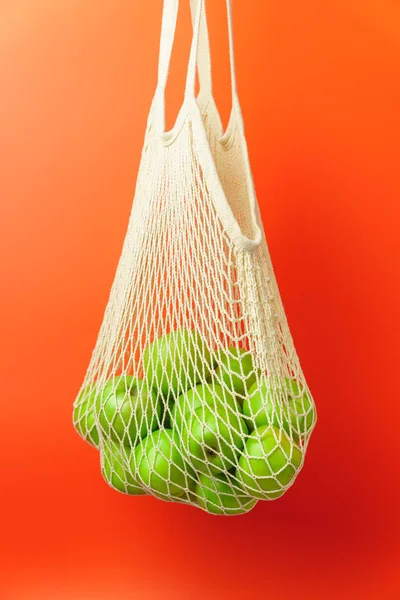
(168, 407)
(127, 409)
(235, 370)
(302, 411)
(83, 417)
(219, 495)
(209, 394)
(281, 403)
(160, 465)
(115, 461)
(176, 361)
(269, 463)
(189, 496)
(212, 438)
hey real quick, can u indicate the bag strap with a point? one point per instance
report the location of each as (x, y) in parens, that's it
(168, 25)
(199, 52)
(203, 55)
(194, 52)
(231, 50)
(203, 52)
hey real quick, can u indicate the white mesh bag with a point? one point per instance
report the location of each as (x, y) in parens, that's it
(194, 392)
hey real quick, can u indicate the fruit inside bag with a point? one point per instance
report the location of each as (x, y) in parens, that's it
(194, 392)
(210, 431)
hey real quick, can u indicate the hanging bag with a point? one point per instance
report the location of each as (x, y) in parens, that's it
(194, 392)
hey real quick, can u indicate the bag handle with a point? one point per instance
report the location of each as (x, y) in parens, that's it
(168, 27)
(203, 55)
(199, 52)
(203, 52)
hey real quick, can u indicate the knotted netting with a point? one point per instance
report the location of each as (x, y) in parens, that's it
(194, 392)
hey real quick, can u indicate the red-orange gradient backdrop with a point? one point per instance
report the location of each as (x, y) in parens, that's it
(319, 85)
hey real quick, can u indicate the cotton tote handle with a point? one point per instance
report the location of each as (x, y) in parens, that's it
(199, 53)
(168, 27)
(204, 55)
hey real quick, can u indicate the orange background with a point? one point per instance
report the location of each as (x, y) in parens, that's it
(319, 85)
